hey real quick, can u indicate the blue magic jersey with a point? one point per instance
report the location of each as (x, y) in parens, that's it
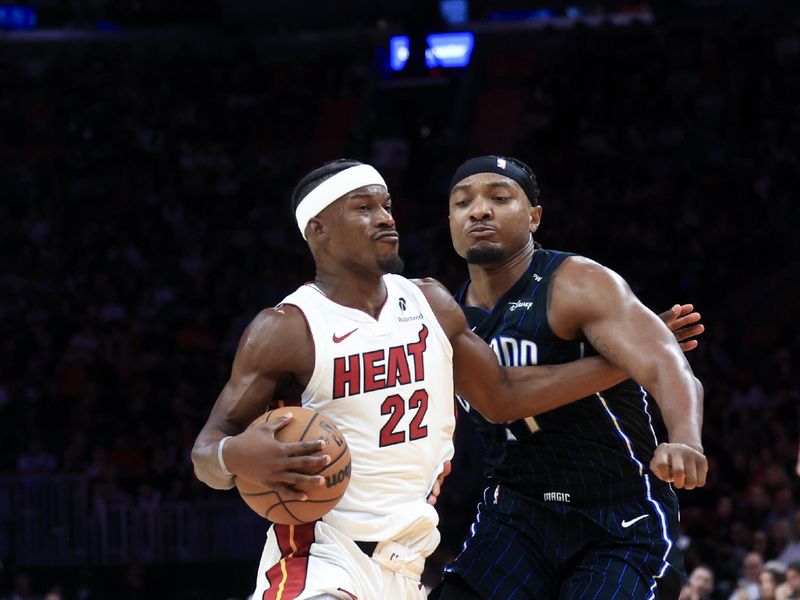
(580, 448)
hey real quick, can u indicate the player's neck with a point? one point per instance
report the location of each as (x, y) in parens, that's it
(490, 282)
(367, 294)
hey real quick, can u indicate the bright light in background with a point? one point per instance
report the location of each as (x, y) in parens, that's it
(454, 12)
(398, 52)
(16, 17)
(574, 12)
(444, 50)
(449, 49)
(542, 14)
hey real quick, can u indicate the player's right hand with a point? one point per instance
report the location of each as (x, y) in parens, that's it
(681, 465)
(255, 455)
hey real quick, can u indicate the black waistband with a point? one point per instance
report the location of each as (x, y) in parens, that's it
(367, 547)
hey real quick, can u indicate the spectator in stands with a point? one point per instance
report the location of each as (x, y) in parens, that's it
(790, 589)
(700, 585)
(55, 593)
(752, 564)
(23, 588)
(791, 553)
(770, 580)
(780, 534)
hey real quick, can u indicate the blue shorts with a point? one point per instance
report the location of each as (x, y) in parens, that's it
(523, 548)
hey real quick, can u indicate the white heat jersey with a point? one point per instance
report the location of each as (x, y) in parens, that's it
(388, 386)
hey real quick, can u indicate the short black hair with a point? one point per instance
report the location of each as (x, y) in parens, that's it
(311, 180)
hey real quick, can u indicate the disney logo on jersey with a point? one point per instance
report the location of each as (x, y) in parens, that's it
(381, 368)
(512, 306)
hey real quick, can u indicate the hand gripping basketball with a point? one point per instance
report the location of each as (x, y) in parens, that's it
(303, 474)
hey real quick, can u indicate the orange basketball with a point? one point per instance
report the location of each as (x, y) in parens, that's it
(306, 425)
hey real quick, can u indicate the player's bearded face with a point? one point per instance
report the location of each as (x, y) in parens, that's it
(392, 264)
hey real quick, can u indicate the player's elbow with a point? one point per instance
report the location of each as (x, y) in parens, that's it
(490, 409)
(493, 416)
(699, 387)
(500, 410)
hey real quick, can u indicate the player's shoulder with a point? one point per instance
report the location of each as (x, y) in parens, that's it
(277, 339)
(437, 295)
(583, 271)
(581, 283)
(427, 282)
(276, 323)
(446, 310)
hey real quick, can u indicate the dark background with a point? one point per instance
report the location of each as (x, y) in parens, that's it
(147, 152)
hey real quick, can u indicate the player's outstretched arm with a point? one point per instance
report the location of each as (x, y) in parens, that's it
(503, 394)
(592, 301)
(271, 348)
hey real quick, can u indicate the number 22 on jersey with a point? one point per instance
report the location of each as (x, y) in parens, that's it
(395, 407)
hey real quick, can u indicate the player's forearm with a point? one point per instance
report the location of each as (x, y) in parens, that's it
(678, 393)
(529, 391)
(681, 407)
(205, 457)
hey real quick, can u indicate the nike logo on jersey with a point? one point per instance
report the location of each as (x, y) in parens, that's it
(627, 524)
(337, 338)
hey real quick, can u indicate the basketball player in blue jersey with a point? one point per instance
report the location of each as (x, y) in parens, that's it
(347, 344)
(581, 504)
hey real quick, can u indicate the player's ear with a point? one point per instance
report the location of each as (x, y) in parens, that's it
(316, 230)
(535, 218)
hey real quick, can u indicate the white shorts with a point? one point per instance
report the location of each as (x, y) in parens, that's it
(301, 562)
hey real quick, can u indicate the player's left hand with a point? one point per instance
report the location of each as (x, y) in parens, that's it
(684, 323)
(681, 465)
(437, 485)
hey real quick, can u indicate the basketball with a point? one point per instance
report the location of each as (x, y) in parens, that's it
(306, 425)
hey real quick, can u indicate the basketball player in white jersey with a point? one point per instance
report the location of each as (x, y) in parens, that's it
(382, 356)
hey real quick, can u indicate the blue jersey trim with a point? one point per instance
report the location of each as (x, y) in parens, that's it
(648, 494)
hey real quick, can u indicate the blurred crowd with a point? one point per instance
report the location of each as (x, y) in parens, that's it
(144, 221)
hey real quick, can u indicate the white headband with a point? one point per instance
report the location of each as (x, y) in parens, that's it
(333, 188)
